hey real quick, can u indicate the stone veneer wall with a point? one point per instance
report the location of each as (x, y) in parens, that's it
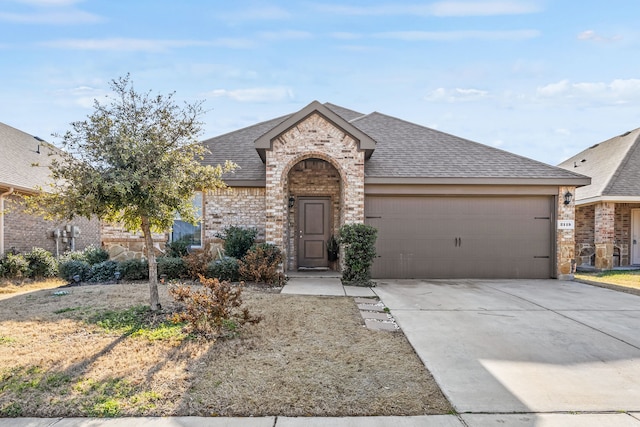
(565, 243)
(239, 206)
(604, 234)
(313, 137)
(23, 232)
(311, 177)
(123, 245)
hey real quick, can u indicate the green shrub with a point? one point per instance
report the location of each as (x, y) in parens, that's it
(261, 264)
(14, 266)
(212, 309)
(91, 255)
(177, 248)
(41, 263)
(134, 269)
(224, 269)
(358, 241)
(103, 271)
(237, 240)
(95, 255)
(69, 268)
(173, 268)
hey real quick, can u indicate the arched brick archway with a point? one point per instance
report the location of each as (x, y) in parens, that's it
(317, 138)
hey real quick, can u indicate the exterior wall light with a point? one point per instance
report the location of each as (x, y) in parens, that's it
(568, 197)
(292, 201)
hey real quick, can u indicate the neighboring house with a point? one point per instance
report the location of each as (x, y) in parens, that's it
(444, 207)
(608, 210)
(24, 161)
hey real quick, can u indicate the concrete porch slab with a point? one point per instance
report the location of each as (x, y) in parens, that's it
(330, 286)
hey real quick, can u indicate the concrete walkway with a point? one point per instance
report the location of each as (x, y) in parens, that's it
(536, 353)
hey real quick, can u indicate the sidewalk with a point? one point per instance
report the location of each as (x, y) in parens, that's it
(463, 420)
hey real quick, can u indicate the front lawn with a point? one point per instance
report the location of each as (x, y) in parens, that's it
(96, 350)
(628, 280)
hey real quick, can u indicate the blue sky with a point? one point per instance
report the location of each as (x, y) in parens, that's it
(540, 78)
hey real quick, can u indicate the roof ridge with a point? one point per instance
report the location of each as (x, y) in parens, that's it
(621, 166)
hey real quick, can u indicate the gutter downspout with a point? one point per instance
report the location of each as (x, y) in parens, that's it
(2, 196)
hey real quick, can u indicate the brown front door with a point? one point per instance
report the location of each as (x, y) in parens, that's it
(313, 232)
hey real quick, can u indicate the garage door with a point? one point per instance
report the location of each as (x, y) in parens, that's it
(461, 237)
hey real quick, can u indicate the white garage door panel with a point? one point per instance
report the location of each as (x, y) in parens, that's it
(458, 237)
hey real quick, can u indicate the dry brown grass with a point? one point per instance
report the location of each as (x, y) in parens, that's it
(620, 280)
(310, 356)
(9, 288)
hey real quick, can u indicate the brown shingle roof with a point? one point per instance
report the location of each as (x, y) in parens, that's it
(21, 166)
(403, 151)
(614, 168)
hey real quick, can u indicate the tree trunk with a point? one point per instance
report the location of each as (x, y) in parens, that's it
(154, 298)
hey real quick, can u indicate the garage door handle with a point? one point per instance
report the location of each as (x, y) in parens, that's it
(458, 242)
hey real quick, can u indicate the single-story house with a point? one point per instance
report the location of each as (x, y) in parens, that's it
(608, 210)
(444, 206)
(24, 161)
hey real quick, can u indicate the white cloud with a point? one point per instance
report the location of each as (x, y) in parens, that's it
(343, 35)
(122, 44)
(48, 3)
(267, 13)
(442, 8)
(616, 92)
(259, 95)
(285, 35)
(456, 95)
(591, 35)
(483, 8)
(58, 18)
(79, 96)
(459, 35)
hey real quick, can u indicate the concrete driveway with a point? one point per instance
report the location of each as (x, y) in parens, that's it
(527, 346)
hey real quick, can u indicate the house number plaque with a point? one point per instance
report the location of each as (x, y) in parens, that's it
(566, 224)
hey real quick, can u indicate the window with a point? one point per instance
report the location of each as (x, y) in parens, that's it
(188, 233)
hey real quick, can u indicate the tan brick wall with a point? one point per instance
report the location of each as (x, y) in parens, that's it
(585, 248)
(312, 138)
(23, 232)
(565, 244)
(239, 206)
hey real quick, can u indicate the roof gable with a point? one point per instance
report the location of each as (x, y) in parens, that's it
(613, 165)
(364, 141)
(405, 152)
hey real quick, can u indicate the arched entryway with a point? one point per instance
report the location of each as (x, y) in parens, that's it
(314, 194)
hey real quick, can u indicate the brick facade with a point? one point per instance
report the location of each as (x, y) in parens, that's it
(603, 235)
(238, 206)
(312, 138)
(23, 232)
